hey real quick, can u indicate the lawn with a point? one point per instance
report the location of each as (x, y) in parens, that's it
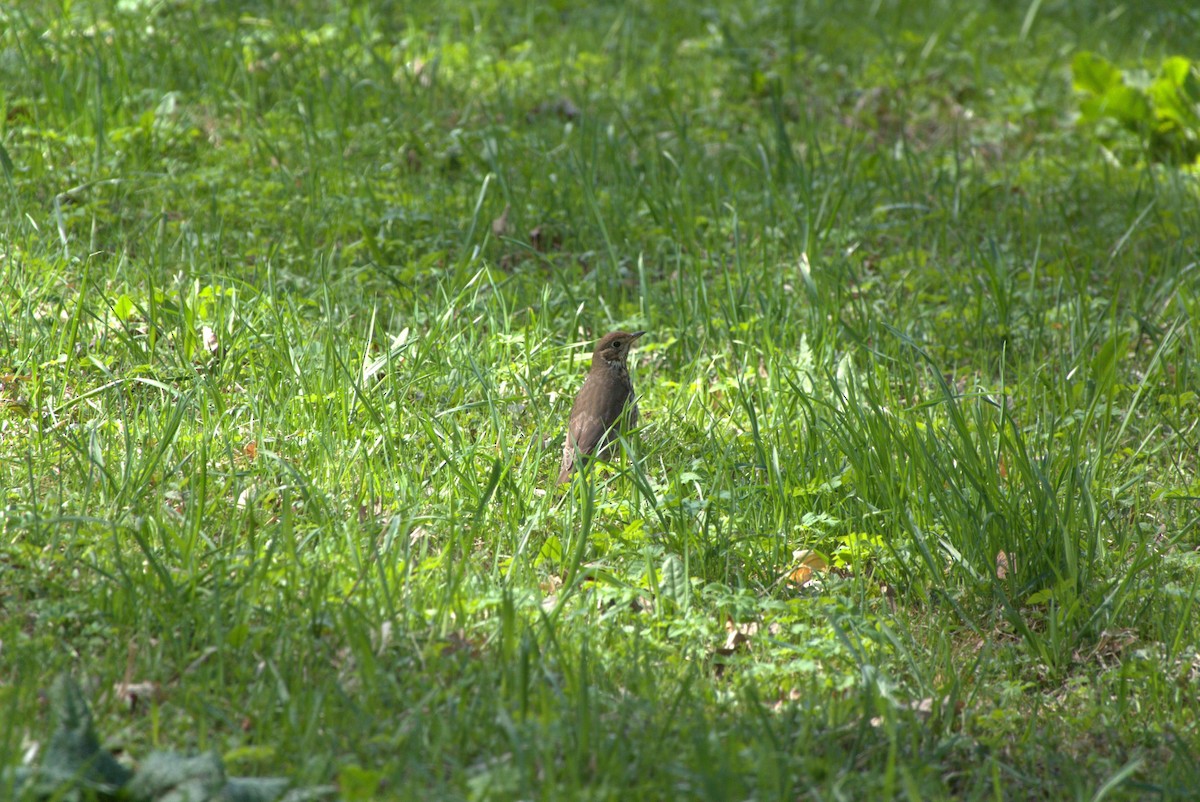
(295, 298)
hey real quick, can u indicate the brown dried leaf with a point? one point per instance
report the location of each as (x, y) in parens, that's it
(787, 700)
(889, 594)
(1110, 647)
(245, 497)
(135, 693)
(211, 343)
(420, 70)
(808, 563)
(383, 639)
(563, 107)
(736, 636)
(500, 225)
(458, 642)
(641, 604)
(1001, 565)
(567, 109)
(543, 239)
(10, 395)
(924, 709)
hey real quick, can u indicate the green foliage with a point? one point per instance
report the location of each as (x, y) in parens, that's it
(75, 767)
(73, 759)
(1162, 113)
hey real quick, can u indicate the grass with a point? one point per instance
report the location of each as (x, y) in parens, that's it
(283, 384)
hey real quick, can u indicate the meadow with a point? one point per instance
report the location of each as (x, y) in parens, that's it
(295, 297)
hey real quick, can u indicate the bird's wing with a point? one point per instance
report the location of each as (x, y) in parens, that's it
(591, 417)
(587, 430)
(584, 432)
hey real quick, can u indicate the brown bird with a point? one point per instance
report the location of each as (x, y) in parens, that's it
(604, 399)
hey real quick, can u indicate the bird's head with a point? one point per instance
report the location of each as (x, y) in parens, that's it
(614, 347)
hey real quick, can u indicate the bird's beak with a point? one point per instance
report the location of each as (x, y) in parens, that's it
(635, 335)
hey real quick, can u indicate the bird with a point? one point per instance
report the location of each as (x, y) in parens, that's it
(605, 404)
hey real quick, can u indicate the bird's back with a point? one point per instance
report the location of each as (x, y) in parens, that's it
(596, 411)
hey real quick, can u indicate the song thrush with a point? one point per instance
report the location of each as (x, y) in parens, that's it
(605, 404)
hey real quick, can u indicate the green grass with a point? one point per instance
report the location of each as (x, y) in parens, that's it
(281, 400)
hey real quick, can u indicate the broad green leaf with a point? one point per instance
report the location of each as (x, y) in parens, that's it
(357, 783)
(175, 777)
(673, 581)
(551, 551)
(1124, 104)
(74, 754)
(123, 308)
(1176, 96)
(1175, 71)
(1092, 73)
(1041, 597)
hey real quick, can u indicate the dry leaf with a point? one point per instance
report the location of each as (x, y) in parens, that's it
(500, 226)
(889, 594)
(801, 575)
(543, 239)
(9, 394)
(1109, 648)
(384, 638)
(641, 604)
(563, 107)
(421, 71)
(413, 159)
(567, 109)
(457, 642)
(786, 701)
(736, 636)
(209, 337)
(923, 708)
(133, 693)
(807, 564)
(812, 559)
(245, 497)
